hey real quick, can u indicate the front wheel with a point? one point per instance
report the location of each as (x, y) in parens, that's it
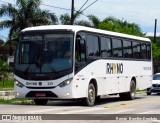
(90, 99)
(40, 101)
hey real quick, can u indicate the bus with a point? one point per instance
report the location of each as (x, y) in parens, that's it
(83, 63)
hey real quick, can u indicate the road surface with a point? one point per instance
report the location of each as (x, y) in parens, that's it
(142, 106)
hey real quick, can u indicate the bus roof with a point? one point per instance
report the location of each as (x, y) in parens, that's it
(77, 28)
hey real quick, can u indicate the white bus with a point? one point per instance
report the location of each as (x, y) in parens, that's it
(76, 62)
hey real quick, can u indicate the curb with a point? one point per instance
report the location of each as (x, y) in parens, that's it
(7, 93)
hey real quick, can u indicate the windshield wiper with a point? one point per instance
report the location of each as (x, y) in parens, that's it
(26, 71)
(51, 67)
(40, 61)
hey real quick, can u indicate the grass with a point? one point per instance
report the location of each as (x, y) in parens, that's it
(141, 91)
(16, 101)
(8, 85)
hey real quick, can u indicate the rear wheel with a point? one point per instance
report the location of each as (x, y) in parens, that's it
(40, 101)
(131, 94)
(90, 100)
(148, 93)
(98, 98)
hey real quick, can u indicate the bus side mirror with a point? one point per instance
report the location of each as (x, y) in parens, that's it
(11, 64)
(81, 38)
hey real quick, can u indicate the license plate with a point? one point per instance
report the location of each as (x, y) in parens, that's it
(40, 94)
(156, 88)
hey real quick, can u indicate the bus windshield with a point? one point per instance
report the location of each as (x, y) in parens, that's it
(44, 53)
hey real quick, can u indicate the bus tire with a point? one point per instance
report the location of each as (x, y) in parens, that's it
(122, 96)
(148, 93)
(131, 94)
(98, 98)
(40, 101)
(90, 100)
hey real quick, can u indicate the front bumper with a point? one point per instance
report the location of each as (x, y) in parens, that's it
(55, 93)
(153, 90)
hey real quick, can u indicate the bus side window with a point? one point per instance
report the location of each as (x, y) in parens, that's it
(136, 50)
(117, 48)
(105, 47)
(80, 53)
(143, 50)
(93, 46)
(148, 51)
(127, 49)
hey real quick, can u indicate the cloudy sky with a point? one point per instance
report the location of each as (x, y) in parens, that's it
(141, 12)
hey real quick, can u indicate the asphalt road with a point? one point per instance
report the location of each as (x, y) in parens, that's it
(143, 105)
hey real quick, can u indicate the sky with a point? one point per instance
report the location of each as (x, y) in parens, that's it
(141, 12)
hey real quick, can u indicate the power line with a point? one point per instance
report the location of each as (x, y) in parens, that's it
(62, 8)
(83, 6)
(56, 7)
(49, 6)
(89, 5)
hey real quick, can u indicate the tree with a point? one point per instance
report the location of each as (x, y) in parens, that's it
(65, 19)
(1, 42)
(155, 49)
(27, 13)
(83, 23)
(4, 69)
(117, 25)
(94, 21)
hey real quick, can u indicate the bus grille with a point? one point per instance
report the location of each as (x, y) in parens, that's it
(41, 87)
(156, 85)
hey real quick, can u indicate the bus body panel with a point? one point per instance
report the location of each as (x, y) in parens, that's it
(114, 82)
(107, 83)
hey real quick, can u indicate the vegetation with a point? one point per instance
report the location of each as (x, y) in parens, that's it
(8, 85)
(65, 19)
(5, 82)
(117, 25)
(27, 13)
(16, 101)
(155, 49)
(1, 42)
(4, 68)
(109, 23)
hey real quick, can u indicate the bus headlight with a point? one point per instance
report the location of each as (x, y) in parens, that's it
(64, 83)
(19, 84)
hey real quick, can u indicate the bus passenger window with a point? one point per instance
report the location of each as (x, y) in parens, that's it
(117, 47)
(144, 51)
(136, 50)
(105, 47)
(127, 49)
(148, 51)
(92, 46)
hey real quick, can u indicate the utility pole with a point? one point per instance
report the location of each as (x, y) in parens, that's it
(72, 12)
(155, 30)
